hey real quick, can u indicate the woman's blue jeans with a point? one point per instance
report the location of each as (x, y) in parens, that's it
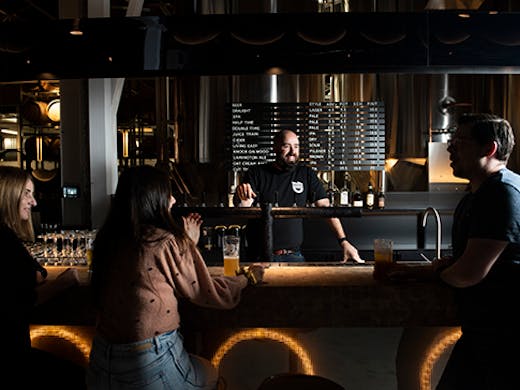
(157, 363)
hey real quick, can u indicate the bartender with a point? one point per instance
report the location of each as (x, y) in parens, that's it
(286, 183)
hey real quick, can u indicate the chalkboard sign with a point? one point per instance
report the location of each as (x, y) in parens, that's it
(338, 136)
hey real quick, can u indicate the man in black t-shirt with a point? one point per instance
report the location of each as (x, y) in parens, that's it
(484, 270)
(286, 183)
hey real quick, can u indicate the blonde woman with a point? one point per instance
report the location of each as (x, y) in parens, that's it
(25, 286)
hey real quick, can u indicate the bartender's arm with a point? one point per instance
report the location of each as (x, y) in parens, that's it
(349, 250)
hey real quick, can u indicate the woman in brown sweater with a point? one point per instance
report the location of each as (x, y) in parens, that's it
(143, 264)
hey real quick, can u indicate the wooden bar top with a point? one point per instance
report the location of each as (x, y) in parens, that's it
(296, 296)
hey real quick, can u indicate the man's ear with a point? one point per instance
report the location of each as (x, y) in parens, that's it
(491, 149)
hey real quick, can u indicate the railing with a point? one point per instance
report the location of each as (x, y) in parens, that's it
(268, 213)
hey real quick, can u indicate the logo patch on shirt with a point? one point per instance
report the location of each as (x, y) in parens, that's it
(297, 186)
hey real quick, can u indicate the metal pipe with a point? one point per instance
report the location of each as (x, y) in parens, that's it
(428, 211)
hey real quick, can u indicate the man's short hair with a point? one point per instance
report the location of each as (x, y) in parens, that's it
(486, 128)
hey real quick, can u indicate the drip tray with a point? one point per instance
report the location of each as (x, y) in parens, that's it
(320, 264)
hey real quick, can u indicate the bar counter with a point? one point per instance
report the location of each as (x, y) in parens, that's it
(296, 296)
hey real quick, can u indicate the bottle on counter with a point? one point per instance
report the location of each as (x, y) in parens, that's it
(344, 194)
(220, 231)
(331, 193)
(381, 199)
(370, 197)
(357, 199)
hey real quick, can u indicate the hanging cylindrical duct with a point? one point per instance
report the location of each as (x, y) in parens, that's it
(204, 122)
(440, 103)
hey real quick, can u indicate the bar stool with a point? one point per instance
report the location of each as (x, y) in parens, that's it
(289, 381)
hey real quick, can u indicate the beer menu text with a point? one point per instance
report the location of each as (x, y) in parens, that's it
(335, 136)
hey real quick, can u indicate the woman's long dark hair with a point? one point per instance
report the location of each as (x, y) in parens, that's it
(140, 205)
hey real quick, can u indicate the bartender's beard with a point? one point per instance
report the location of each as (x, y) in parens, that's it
(285, 165)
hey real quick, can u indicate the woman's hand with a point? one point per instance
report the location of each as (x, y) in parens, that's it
(68, 278)
(440, 264)
(258, 272)
(49, 289)
(192, 223)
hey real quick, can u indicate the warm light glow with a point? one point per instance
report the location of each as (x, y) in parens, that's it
(76, 31)
(264, 333)
(53, 110)
(125, 143)
(12, 119)
(63, 332)
(273, 81)
(10, 143)
(390, 162)
(275, 71)
(441, 343)
(39, 148)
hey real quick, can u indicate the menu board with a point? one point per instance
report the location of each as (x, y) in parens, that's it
(338, 136)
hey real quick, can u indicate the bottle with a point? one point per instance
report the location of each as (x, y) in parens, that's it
(380, 199)
(370, 197)
(331, 194)
(357, 199)
(344, 194)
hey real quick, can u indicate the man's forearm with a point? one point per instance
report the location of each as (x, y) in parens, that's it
(337, 227)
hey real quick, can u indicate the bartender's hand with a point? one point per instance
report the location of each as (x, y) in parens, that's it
(192, 224)
(350, 252)
(246, 194)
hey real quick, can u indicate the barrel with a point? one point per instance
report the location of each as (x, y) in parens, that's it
(50, 148)
(35, 111)
(53, 110)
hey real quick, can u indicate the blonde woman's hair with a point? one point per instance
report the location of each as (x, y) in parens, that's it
(12, 185)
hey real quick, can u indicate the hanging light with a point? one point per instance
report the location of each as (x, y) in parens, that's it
(75, 28)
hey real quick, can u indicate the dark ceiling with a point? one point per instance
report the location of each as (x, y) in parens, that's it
(31, 10)
(242, 36)
(27, 10)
